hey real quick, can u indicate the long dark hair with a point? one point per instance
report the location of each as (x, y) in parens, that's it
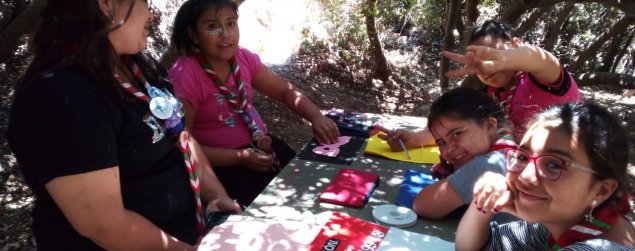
(188, 15)
(78, 29)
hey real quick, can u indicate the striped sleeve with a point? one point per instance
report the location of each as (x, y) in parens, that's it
(521, 235)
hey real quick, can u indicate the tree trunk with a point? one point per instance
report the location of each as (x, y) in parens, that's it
(23, 24)
(381, 65)
(621, 26)
(623, 51)
(556, 28)
(530, 22)
(512, 15)
(471, 15)
(611, 52)
(448, 41)
(605, 78)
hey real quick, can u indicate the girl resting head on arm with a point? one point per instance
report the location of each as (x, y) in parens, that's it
(566, 181)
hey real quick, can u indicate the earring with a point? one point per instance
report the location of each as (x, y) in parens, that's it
(111, 17)
(589, 216)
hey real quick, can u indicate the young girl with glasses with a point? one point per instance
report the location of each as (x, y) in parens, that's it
(214, 78)
(98, 135)
(469, 129)
(523, 78)
(566, 180)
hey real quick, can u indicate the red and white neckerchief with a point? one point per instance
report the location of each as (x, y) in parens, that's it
(238, 100)
(507, 103)
(602, 220)
(183, 136)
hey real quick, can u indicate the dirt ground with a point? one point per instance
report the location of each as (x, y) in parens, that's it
(328, 83)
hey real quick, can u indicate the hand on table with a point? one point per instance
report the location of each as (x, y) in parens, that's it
(255, 159)
(392, 138)
(222, 204)
(480, 60)
(492, 194)
(325, 130)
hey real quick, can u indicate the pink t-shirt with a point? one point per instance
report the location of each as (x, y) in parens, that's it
(216, 124)
(530, 97)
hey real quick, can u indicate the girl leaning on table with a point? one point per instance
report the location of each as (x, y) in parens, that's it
(469, 128)
(566, 181)
(98, 136)
(214, 77)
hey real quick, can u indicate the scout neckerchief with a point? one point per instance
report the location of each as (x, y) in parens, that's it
(164, 106)
(505, 141)
(602, 220)
(507, 103)
(444, 169)
(238, 100)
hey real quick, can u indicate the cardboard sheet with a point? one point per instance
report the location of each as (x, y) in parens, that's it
(425, 155)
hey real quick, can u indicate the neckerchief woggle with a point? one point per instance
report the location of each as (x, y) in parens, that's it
(238, 100)
(164, 106)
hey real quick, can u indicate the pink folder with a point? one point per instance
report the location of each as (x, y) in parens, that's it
(350, 188)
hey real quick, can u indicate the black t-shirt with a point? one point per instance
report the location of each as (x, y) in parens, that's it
(65, 123)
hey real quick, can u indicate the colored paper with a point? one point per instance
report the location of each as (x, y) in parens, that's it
(377, 146)
(344, 233)
(350, 188)
(332, 150)
(345, 156)
(413, 182)
(244, 233)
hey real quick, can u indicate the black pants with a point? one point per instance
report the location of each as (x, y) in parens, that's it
(243, 183)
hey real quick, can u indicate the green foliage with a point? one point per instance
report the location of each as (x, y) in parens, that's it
(351, 42)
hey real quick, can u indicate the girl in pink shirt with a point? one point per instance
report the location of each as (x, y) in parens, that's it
(524, 79)
(214, 78)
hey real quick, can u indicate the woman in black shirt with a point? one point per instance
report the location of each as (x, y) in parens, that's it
(99, 136)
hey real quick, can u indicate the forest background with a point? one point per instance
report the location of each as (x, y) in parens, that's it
(361, 55)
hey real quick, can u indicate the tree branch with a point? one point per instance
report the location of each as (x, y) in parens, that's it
(619, 27)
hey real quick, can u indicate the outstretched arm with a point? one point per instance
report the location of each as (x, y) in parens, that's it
(411, 139)
(484, 60)
(267, 82)
(437, 200)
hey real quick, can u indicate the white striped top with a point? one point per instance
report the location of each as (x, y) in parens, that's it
(521, 235)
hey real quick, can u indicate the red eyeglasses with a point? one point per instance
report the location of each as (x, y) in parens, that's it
(548, 167)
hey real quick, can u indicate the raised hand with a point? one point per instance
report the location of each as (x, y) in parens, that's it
(481, 60)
